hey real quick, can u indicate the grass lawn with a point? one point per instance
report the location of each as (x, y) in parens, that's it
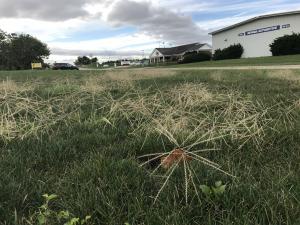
(261, 61)
(104, 141)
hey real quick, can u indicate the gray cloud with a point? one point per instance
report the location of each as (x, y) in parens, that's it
(67, 52)
(156, 22)
(55, 10)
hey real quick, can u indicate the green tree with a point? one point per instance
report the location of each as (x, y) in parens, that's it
(26, 49)
(94, 60)
(19, 51)
(83, 61)
(4, 49)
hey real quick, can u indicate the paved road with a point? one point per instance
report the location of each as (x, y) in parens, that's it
(279, 67)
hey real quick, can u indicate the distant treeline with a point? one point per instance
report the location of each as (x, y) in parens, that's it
(84, 60)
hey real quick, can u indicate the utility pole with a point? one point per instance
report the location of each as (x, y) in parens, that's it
(143, 51)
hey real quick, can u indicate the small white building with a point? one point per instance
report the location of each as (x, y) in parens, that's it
(126, 62)
(256, 34)
(175, 54)
(131, 62)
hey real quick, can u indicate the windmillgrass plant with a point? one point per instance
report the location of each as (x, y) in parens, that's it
(24, 113)
(113, 143)
(191, 118)
(190, 122)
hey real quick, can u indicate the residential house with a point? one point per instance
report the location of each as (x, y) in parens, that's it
(175, 54)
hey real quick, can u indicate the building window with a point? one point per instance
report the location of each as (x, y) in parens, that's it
(263, 30)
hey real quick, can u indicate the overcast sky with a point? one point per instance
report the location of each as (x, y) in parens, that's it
(122, 28)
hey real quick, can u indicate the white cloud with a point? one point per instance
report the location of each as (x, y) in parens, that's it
(44, 30)
(127, 46)
(113, 43)
(211, 25)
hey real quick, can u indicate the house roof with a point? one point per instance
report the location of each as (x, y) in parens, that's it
(180, 49)
(254, 19)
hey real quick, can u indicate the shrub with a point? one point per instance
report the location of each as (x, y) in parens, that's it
(196, 57)
(286, 45)
(232, 52)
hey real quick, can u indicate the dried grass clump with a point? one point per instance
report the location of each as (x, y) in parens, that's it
(284, 115)
(137, 74)
(289, 75)
(297, 104)
(94, 84)
(217, 75)
(9, 86)
(120, 79)
(152, 73)
(190, 95)
(194, 120)
(22, 116)
(190, 113)
(24, 113)
(178, 157)
(189, 117)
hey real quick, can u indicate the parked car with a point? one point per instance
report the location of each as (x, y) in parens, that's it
(64, 66)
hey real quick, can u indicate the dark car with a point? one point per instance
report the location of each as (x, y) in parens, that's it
(64, 66)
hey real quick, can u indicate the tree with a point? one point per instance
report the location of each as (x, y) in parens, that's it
(83, 61)
(4, 49)
(286, 45)
(94, 60)
(19, 51)
(25, 50)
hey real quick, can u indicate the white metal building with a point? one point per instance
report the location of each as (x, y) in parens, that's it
(256, 34)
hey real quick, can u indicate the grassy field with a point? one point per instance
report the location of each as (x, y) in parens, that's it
(261, 61)
(104, 141)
